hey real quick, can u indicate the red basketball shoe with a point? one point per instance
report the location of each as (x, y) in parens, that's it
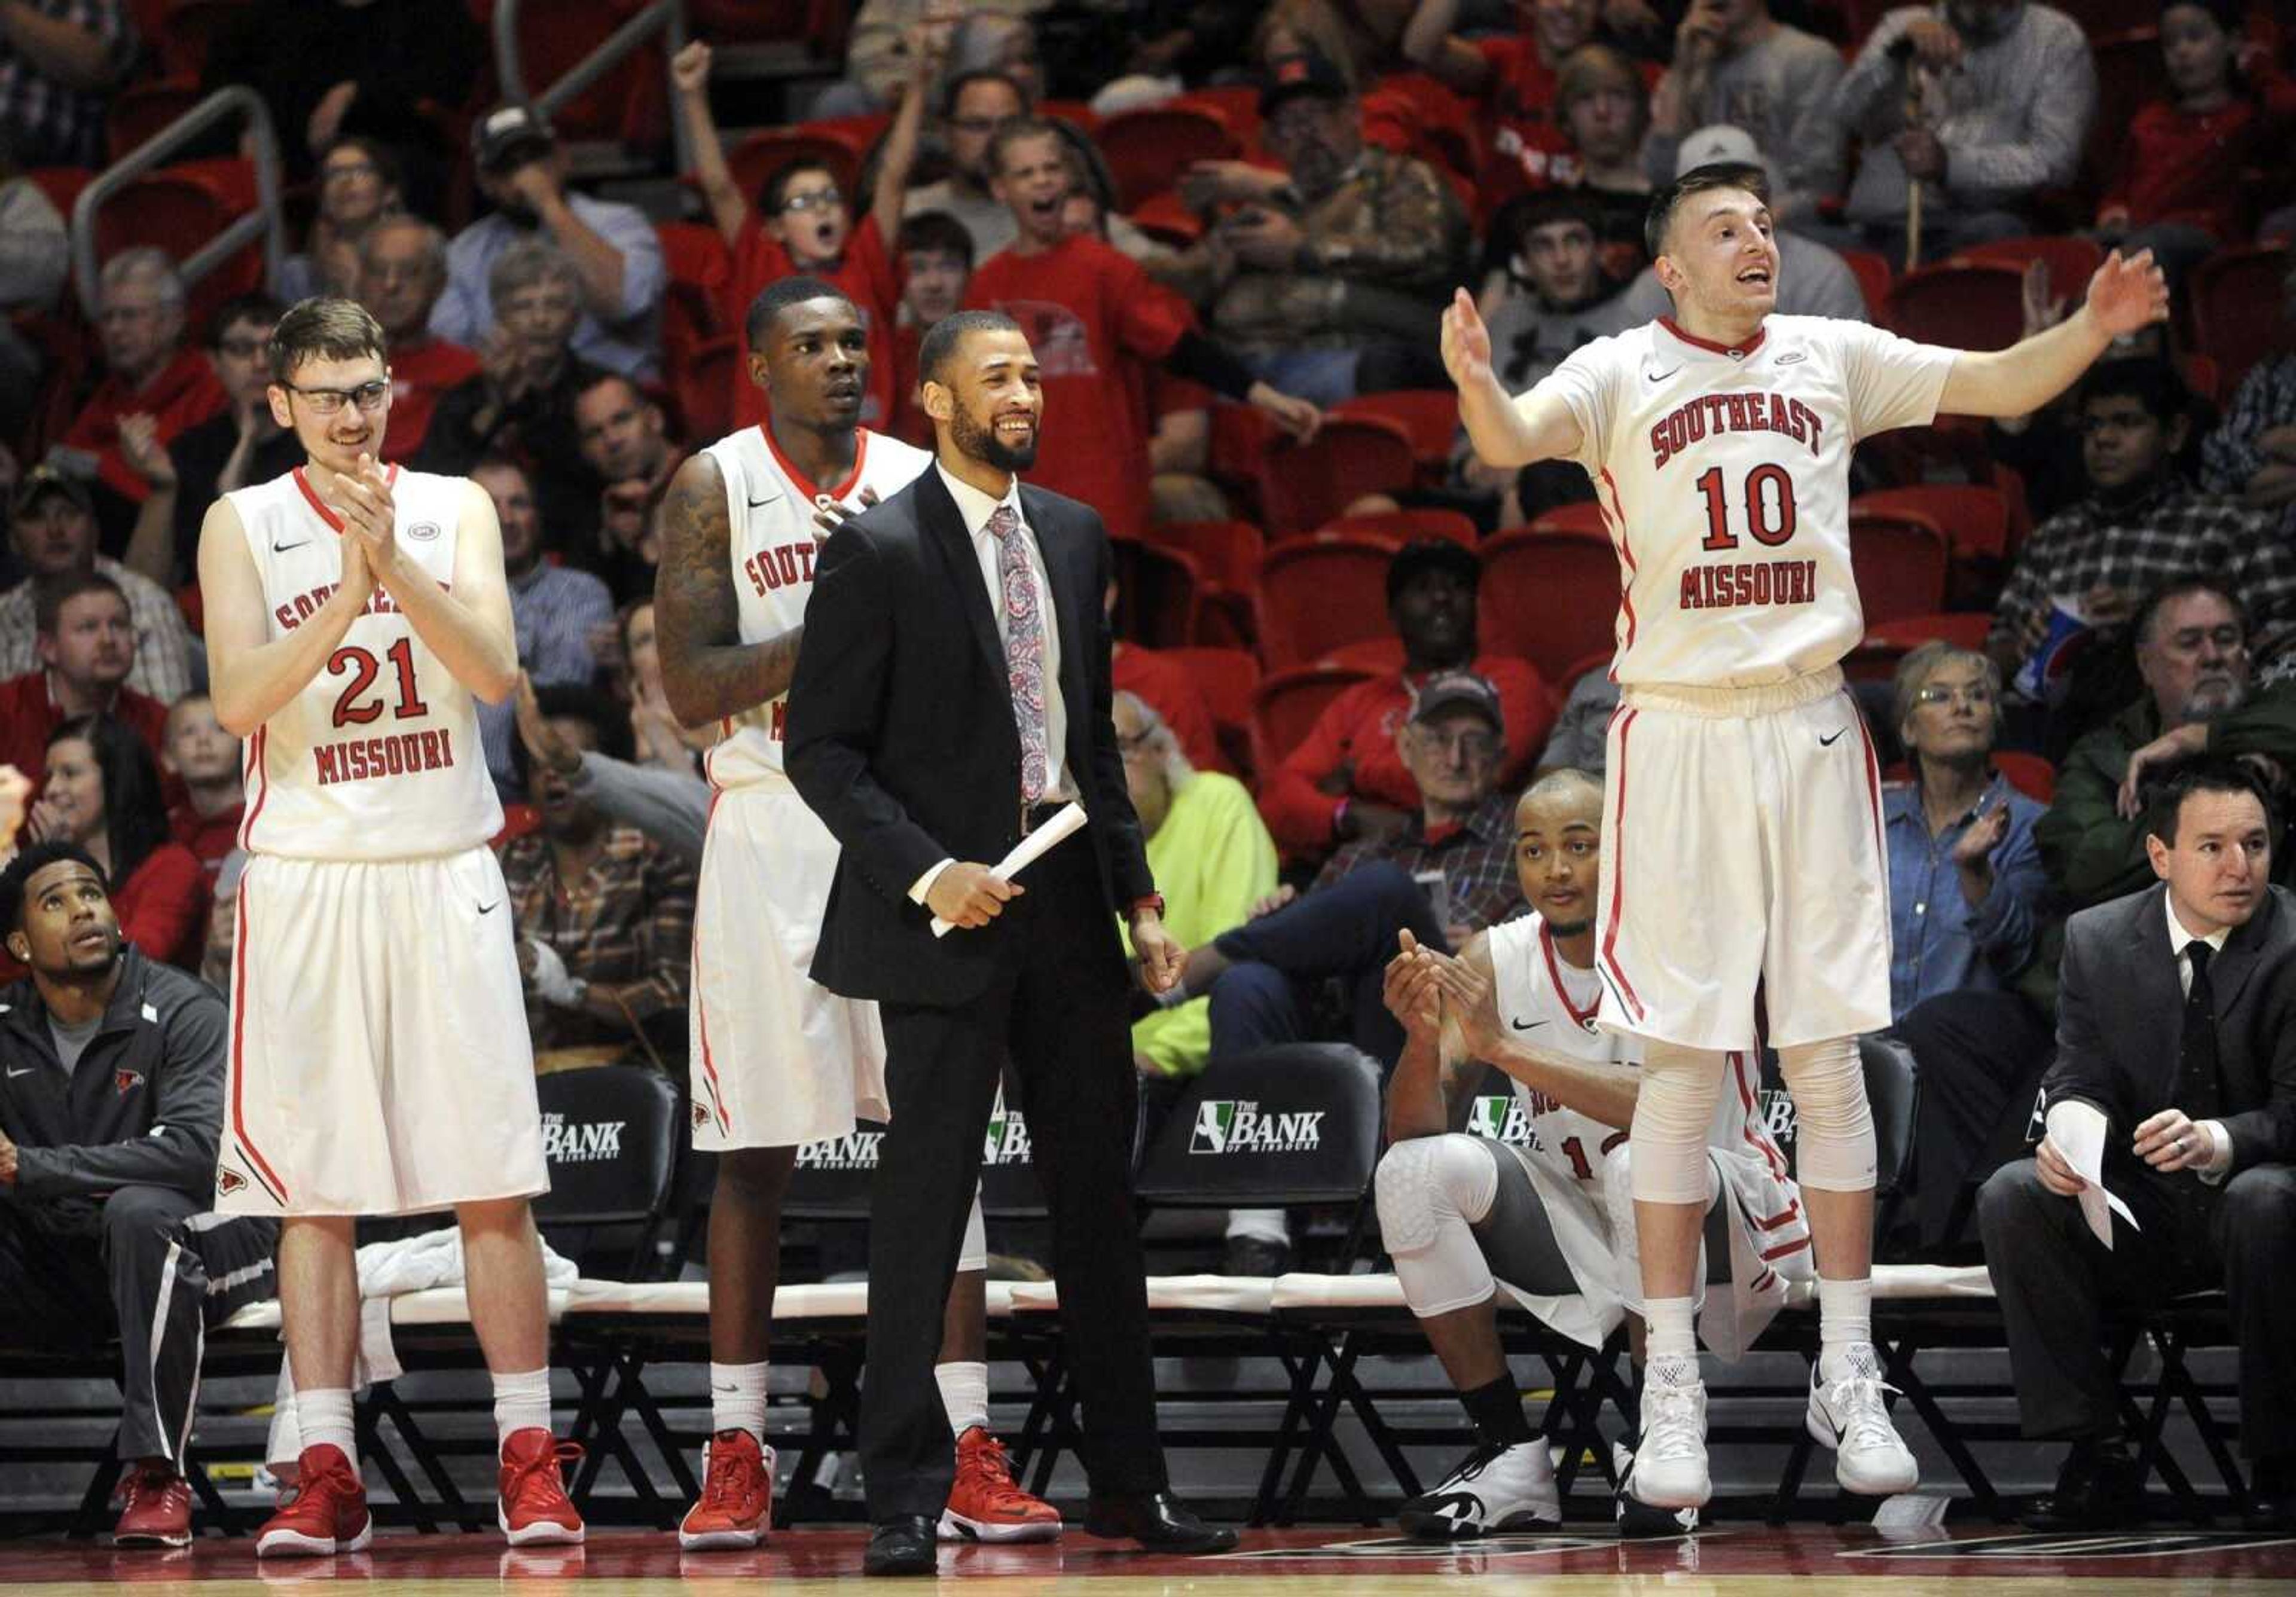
(736, 1506)
(534, 1507)
(326, 1515)
(986, 1503)
(156, 1509)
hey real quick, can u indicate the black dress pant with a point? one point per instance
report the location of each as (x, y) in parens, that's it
(1058, 1013)
(2054, 1279)
(151, 1261)
(1981, 1056)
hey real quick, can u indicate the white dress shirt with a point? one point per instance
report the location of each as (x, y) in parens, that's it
(2212, 1169)
(976, 507)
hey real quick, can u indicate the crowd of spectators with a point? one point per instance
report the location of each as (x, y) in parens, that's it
(1395, 152)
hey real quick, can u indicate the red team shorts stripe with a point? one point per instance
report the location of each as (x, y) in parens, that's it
(700, 1006)
(1614, 514)
(263, 1170)
(1617, 846)
(258, 776)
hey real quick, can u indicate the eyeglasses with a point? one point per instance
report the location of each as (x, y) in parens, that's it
(980, 125)
(353, 169)
(817, 200)
(1977, 695)
(369, 397)
(1138, 743)
(1474, 745)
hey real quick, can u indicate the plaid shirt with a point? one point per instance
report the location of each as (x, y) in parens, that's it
(163, 639)
(48, 123)
(1476, 857)
(2174, 531)
(629, 921)
(2265, 400)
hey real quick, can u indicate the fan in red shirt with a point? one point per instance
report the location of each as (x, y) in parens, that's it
(151, 372)
(87, 648)
(1096, 322)
(804, 226)
(402, 273)
(2182, 188)
(1523, 144)
(1347, 780)
(204, 759)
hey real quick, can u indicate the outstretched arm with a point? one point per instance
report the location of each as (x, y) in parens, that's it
(1504, 433)
(729, 207)
(2124, 295)
(901, 140)
(706, 669)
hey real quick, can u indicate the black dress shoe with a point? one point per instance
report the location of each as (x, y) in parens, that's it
(2271, 1496)
(901, 1546)
(1156, 1520)
(2100, 1489)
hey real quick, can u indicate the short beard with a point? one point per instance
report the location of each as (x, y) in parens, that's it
(1576, 928)
(982, 444)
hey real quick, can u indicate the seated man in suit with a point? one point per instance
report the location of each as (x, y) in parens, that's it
(2177, 1028)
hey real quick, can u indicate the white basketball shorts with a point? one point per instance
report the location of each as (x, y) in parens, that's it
(1743, 850)
(777, 1058)
(379, 1062)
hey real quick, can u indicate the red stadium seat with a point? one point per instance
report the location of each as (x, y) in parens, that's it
(1975, 517)
(1378, 655)
(1899, 562)
(61, 185)
(702, 386)
(1165, 219)
(701, 275)
(841, 145)
(1238, 103)
(1874, 274)
(1964, 304)
(1548, 596)
(1160, 589)
(2236, 310)
(1303, 486)
(1228, 678)
(1431, 415)
(1286, 703)
(629, 104)
(2028, 773)
(2130, 71)
(1147, 150)
(187, 29)
(177, 208)
(2072, 260)
(1316, 594)
(819, 23)
(1401, 527)
(1227, 555)
(1963, 629)
(140, 110)
(1077, 113)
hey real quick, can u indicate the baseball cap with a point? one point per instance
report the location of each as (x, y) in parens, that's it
(507, 131)
(1308, 72)
(41, 481)
(1459, 689)
(1716, 144)
(1431, 554)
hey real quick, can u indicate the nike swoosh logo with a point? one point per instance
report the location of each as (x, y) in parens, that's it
(283, 548)
(1526, 1025)
(488, 909)
(768, 499)
(27, 1070)
(1660, 376)
(1792, 356)
(1828, 741)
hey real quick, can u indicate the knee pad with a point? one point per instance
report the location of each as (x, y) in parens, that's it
(1674, 1106)
(972, 1253)
(1833, 1139)
(1429, 1191)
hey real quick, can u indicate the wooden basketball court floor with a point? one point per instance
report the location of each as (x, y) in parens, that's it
(1732, 1559)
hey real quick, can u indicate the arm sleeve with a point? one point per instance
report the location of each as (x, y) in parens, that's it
(1529, 711)
(2062, 86)
(1414, 236)
(460, 315)
(563, 652)
(665, 941)
(1892, 382)
(672, 807)
(171, 901)
(645, 275)
(1197, 359)
(2022, 595)
(1868, 99)
(1300, 815)
(2265, 725)
(1112, 815)
(2082, 1067)
(179, 1151)
(1816, 150)
(2267, 1135)
(2005, 926)
(2090, 852)
(1577, 741)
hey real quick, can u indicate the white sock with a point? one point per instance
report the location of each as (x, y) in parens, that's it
(964, 1394)
(522, 1403)
(1845, 1317)
(1670, 1334)
(1267, 1225)
(737, 1398)
(324, 1415)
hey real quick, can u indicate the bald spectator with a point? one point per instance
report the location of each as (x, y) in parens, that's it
(1348, 781)
(242, 445)
(154, 383)
(53, 533)
(619, 274)
(1736, 65)
(2005, 90)
(58, 59)
(86, 653)
(402, 271)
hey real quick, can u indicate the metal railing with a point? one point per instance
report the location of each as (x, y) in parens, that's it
(263, 222)
(664, 17)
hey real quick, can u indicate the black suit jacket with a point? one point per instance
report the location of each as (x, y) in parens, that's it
(2120, 1018)
(901, 736)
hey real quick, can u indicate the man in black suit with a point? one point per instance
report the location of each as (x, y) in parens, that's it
(951, 694)
(2176, 1027)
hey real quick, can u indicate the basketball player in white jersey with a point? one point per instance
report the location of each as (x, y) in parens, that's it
(380, 1060)
(779, 1060)
(1543, 1210)
(1744, 840)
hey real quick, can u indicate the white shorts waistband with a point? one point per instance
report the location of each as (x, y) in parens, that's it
(1689, 700)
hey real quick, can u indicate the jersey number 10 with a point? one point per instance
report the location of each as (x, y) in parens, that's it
(364, 668)
(1770, 515)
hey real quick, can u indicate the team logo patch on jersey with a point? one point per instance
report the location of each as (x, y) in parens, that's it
(126, 1081)
(228, 1182)
(423, 532)
(701, 1115)
(1240, 1125)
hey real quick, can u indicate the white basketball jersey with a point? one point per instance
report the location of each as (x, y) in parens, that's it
(1550, 1004)
(378, 758)
(771, 506)
(1723, 476)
